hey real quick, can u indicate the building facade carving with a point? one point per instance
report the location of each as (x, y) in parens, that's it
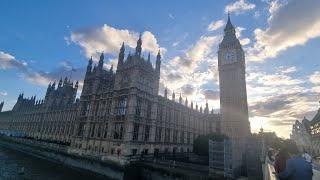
(120, 114)
(233, 95)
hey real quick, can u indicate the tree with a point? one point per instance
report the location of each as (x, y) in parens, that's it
(201, 144)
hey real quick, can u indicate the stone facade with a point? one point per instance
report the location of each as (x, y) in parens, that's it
(233, 95)
(50, 119)
(119, 114)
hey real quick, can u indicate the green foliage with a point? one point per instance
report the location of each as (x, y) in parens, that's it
(201, 144)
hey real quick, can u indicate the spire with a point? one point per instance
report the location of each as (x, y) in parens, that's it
(191, 105)
(159, 56)
(77, 85)
(89, 67)
(201, 108)
(121, 55)
(111, 69)
(173, 96)
(197, 106)
(206, 110)
(139, 46)
(158, 62)
(100, 65)
(166, 92)
(180, 99)
(65, 81)
(60, 83)
(229, 27)
(53, 85)
(186, 102)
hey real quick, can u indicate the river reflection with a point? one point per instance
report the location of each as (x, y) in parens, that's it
(11, 163)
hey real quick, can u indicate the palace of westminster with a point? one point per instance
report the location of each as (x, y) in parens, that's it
(120, 113)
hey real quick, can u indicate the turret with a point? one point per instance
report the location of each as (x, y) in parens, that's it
(100, 64)
(77, 85)
(158, 62)
(166, 93)
(53, 85)
(139, 46)
(121, 56)
(65, 82)
(180, 99)
(111, 69)
(206, 110)
(89, 66)
(60, 83)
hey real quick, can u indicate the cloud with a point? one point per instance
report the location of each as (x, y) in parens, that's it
(215, 25)
(315, 78)
(109, 39)
(3, 93)
(239, 7)
(8, 61)
(187, 89)
(175, 43)
(210, 94)
(290, 24)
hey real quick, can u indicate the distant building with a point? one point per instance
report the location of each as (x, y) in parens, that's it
(306, 134)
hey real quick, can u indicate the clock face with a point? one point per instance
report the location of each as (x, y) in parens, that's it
(229, 56)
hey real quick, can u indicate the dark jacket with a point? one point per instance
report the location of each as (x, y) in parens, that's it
(297, 168)
(280, 163)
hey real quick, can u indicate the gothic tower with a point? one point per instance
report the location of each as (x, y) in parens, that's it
(233, 93)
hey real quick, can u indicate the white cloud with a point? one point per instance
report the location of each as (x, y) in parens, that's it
(290, 24)
(277, 99)
(109, 39)
(8, 61)
(3, 93)
(215, 25)
(175, 43)
(315, 78)
(239, 7)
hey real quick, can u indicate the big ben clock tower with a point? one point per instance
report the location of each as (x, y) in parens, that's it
(233, 93)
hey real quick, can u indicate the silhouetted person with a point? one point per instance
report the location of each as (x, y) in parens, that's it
(280, 160)
(297, 168)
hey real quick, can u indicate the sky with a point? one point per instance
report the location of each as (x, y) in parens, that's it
(42, 41)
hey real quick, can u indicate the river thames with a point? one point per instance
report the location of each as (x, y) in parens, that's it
(11, 163)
